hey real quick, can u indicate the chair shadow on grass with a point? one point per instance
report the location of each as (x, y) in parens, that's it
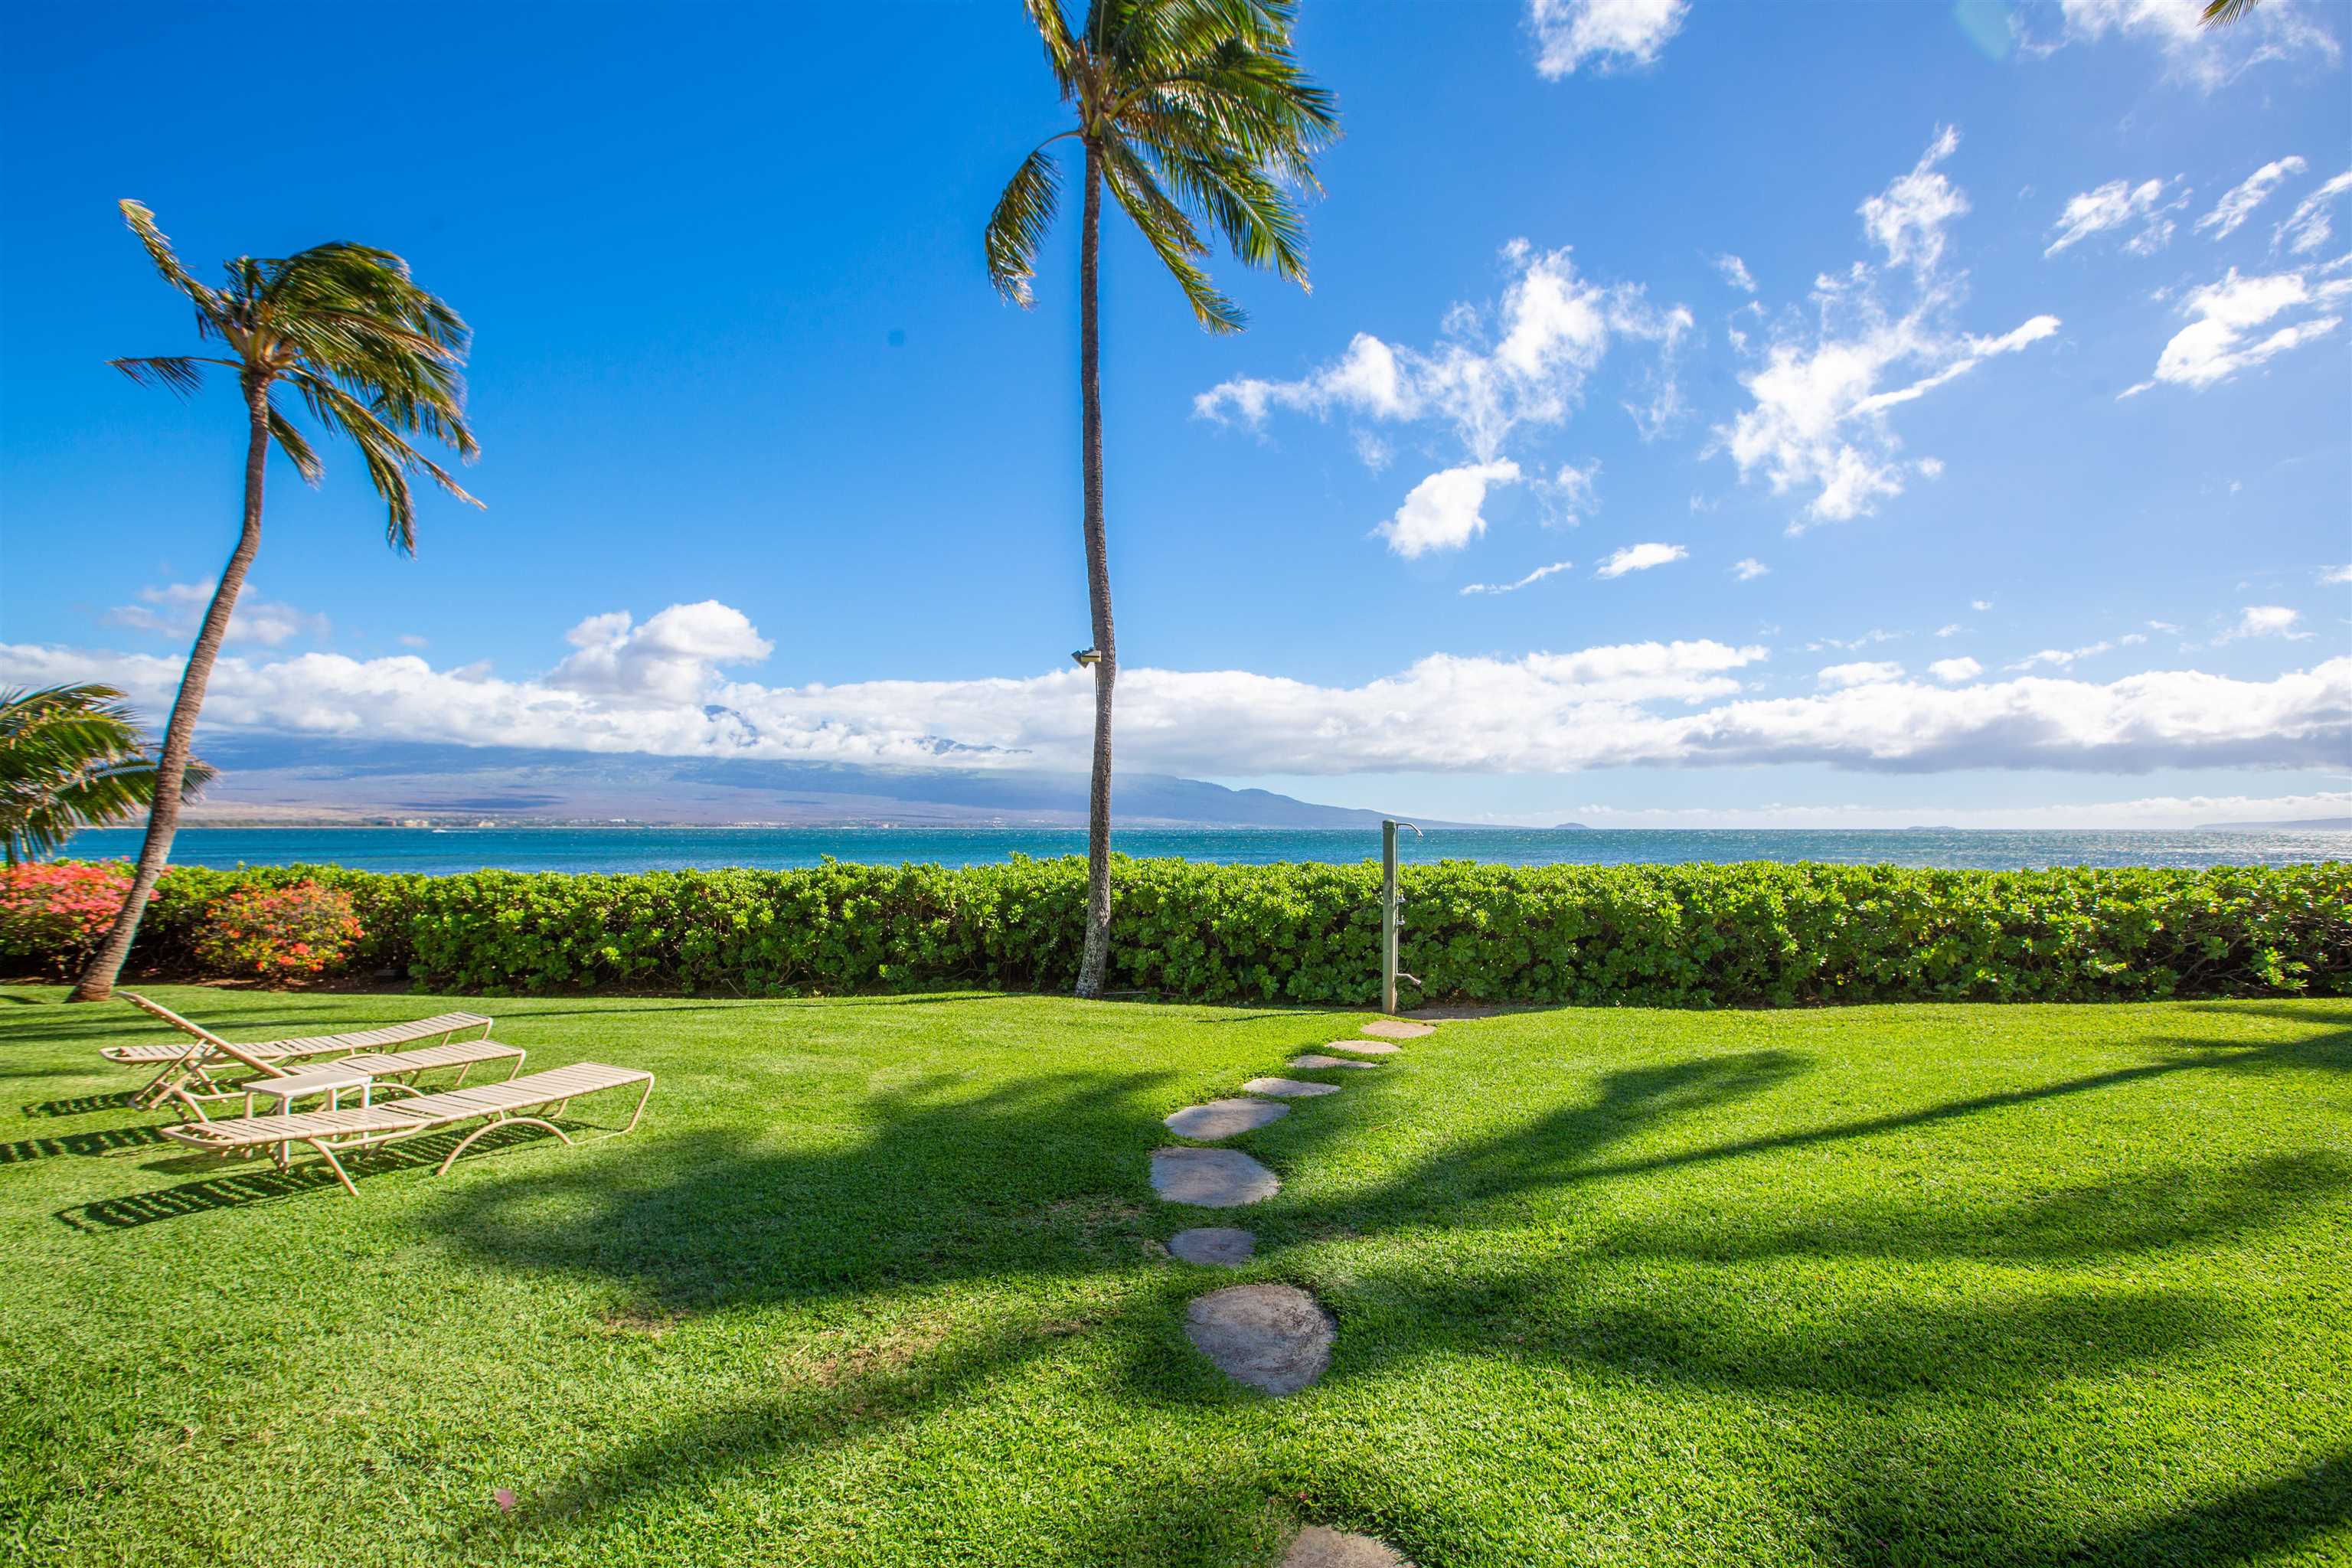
(1041, 1178)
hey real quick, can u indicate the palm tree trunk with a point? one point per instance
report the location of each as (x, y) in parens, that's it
(96, 981)
(1095, 957)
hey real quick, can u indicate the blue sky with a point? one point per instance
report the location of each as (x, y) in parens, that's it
(2034, 340)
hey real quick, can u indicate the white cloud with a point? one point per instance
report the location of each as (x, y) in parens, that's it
(1570, 493)
(1951, 629)
(1749, 568)
(1979, 604)
(2239, 202)
(1537, 575)
(671, 659)
(2205, 57)
(1874, 635)
(2059, 659)
(1864, 673)
(2154, 811)
(1819, 417)
(1526, 362)
(2216, 344)
(2112, 206)
(176, 609)
(1442, 512)
(410, 639)
(1907, 218)
(1735, 272)
(2334, 575)
(1610, 34)
(2265, 621)
(1955, 671)
(1639, 558)
(2309, 226)
(1678, 703)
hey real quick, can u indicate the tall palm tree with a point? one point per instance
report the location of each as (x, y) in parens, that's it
(1195, 116)
(72, 757)
(374, 358)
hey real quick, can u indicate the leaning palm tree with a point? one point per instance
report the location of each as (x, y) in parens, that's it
(72, 757)
(1195, 116)
(373, 357)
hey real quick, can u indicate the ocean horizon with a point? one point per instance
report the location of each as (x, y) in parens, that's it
(620, 848)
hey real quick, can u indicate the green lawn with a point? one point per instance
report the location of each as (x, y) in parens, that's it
(881, 1282)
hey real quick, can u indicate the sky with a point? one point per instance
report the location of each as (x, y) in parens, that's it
(1703, 413)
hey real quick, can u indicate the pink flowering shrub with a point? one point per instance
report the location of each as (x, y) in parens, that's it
(57, 914)
(278, 933)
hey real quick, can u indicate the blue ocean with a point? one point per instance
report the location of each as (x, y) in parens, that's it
(444, 850)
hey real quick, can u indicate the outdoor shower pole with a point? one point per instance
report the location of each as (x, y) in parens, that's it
(1387, 917)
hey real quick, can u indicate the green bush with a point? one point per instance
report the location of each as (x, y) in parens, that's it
(1681, 935)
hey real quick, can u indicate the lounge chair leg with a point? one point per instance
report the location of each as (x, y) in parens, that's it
(515, 1071)
(321, 1146)
(463, 1070)
(467, 1141)
(640, 1111)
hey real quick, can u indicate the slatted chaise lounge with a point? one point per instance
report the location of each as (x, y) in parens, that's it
(513, 1103)
(189, 1072)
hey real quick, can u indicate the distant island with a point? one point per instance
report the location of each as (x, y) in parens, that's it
(2300, 824)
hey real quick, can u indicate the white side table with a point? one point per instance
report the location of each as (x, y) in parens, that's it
(326, 1081)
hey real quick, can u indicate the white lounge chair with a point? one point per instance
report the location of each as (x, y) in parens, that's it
(191, 1074)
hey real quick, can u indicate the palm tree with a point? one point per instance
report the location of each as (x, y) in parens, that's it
(1195, 116)
(72, 757)
(373, 357)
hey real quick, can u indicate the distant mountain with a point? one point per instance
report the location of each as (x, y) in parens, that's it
(2301, 825)
(284, 779)
(1570, 827)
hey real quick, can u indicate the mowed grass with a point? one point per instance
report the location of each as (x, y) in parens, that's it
(881, 1282)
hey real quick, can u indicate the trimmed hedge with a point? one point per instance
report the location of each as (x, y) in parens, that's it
(1677, 935)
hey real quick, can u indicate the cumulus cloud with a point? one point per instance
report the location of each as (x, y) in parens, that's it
(2265, 621)
(670, 658)
(1639, 558)
(1909, 217)
(1537, 575)
(2240, 201)
(1735, 272)
(2309, 226)
(1525, 362)
(2112, 206)
(176, 609)
(1822, 397)
(1651, 703)
(1607, 35)
(2220, 340)
(2334, 575)
(1868, 672)
(1442, 512)
(2204, 57)
(2151, 811)
(1956, 671)
(2060, 657)
(1749, 568)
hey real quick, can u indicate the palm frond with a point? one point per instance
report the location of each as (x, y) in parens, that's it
(1171, 236)
(72, 757)
(1062, 54)
(388, 458)
(180, 374)
(2222, 13)
(158, 246)
(298, 450)
(1017, 228)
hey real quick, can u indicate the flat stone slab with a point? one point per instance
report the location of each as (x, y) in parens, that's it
(1289, 1088)
(1399, 1028)
(1317, 1059)
(1210, 1178)
(1223, 1118)
(1319, 1548)
(1220, 1246)
(1276, 1338)
(1363, 1048)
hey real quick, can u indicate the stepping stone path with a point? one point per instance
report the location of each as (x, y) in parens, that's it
(1288, 1089)
(1210, 1178)
(1399, 1028)
(1273, 1337)
(1319, 1548)
(1316, 1059)
(1220, 1246)
(1225, 1118)
(1363, 1048)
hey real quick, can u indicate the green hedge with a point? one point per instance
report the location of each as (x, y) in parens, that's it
(1682, 935)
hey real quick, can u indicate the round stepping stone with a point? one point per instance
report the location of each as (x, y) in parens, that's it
(1218, 1246)
(1399, 1028)
(1273, 1337)
(1289, 1088)
(1210, 1178)
(1317, 1059)
(1319, 1548)
(1223, 1118)
(1364, 1047)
